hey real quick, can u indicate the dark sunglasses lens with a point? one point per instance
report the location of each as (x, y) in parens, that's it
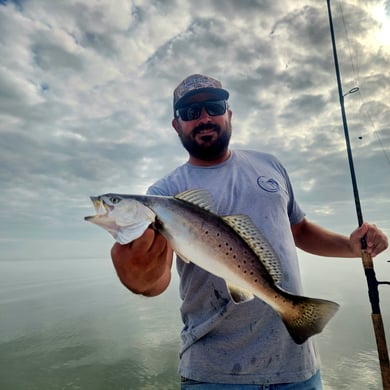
(193, 111)
(216, 108)
(190, 113)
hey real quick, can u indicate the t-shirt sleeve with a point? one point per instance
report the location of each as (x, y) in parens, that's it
(295, 213)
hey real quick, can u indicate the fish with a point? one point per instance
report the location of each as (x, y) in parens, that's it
(230, 247)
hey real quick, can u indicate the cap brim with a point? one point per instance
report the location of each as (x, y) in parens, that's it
(217, 93)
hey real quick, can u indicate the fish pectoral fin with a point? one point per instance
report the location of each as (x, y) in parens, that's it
(238, 294)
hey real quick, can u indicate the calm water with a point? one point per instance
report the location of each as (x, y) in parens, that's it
(69, 324)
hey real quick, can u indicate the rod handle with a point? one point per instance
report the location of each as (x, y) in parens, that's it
(382, 349)
(377, 321)
(367, 260)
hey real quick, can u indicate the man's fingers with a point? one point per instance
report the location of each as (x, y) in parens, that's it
(145, 242)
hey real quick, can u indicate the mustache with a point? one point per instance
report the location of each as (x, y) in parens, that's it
(206, 126)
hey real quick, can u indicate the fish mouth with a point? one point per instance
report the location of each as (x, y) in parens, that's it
(101, 207)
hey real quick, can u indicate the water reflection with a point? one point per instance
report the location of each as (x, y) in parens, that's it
(358, 371)
(71, 325)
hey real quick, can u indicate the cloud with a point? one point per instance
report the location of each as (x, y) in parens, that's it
(86, 94)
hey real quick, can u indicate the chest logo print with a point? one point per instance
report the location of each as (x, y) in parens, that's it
(268, 184)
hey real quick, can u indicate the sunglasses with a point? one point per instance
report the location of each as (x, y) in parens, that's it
(194, 110)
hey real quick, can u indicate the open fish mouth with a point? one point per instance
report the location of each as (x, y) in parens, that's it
(101, 207)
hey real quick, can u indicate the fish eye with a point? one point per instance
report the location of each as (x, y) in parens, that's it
(115, 199)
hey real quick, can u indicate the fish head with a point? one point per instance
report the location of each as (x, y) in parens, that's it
(124, 218)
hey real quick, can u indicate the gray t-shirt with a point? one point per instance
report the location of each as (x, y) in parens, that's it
(224, 342)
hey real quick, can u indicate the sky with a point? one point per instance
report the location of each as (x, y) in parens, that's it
(86, 105)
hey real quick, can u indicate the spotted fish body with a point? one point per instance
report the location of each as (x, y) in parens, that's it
(230, 247)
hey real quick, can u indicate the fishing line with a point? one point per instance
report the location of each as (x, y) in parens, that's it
(356, 76)
(355, 73)
(376, 132)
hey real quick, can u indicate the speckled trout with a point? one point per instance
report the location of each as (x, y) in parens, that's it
(230, 247)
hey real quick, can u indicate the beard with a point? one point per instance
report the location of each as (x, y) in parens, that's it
(208, 148)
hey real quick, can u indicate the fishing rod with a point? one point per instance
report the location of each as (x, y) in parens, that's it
(368, 264)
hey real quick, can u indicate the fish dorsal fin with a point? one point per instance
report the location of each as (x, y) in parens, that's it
(244, 226)
(199, 197)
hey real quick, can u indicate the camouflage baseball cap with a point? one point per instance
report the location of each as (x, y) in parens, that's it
(195, 84)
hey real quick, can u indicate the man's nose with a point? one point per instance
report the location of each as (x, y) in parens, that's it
(204, 114)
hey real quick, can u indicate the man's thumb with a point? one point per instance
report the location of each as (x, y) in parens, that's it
(361, 231)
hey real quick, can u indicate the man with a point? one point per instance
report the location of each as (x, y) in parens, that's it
(228, 345)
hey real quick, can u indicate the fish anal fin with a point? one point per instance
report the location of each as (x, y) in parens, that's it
(238, 294)
(244, 226)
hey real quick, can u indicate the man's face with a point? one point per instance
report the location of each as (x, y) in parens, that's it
(207, 137)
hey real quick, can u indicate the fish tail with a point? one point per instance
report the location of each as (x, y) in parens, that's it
(307, 317)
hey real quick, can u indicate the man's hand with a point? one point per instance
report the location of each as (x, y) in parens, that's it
(144, 265)
(376, 240)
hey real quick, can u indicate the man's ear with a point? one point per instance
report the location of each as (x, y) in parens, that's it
(176, 125)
